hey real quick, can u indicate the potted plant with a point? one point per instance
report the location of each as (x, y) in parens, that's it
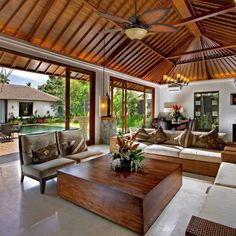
(127, 155)
(176, 112)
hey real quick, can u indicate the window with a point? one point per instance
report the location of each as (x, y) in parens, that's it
(131, 104)
(206, 110)
(25, 108)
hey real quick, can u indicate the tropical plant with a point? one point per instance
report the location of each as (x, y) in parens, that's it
(127, 154)
(176, 112)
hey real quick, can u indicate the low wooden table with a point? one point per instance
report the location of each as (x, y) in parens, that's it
(133, 200)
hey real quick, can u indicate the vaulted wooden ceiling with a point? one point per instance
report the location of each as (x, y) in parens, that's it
(203, 48)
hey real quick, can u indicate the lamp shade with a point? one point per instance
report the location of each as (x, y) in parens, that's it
(136, 33)
(103, 106)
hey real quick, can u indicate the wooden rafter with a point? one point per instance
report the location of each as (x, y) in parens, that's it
(209, 14)
(184, 11)
(202, 50)
(40, 19)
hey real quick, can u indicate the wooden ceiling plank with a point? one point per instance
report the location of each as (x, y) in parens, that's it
(18, 8)
(67, 25)
(68, 2)
(109, 48)
(132, 56)
(146, 66)
(4, 5)
(34, 6)
(122, 56)
(119, 51)
(40, 19)
(147, 59)
(213, 13)
(144, 63)
(95, 36)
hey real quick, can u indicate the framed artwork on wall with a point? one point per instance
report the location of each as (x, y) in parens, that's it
(233, 99)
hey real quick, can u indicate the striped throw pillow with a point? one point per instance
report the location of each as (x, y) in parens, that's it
(186, 138)
(142, 135)
(77, 146)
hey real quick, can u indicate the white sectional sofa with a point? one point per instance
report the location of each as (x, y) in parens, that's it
(220, 205)
(196, 159)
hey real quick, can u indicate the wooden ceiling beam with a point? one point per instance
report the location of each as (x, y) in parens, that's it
(209, 14)
(206, 59)
(40, 19)
(182, 8)
(202, 50)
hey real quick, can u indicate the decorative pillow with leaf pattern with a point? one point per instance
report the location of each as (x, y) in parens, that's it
(212, 140)
(44, 154)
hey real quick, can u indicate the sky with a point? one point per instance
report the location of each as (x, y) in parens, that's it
(23, 77)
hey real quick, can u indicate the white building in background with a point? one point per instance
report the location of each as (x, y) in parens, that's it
(24, 101)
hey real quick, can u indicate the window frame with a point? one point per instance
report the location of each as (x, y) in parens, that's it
(124, 100)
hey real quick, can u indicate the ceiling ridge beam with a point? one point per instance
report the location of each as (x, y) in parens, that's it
(157, 53)
(209, 14)
(206, 59)
(202, 50)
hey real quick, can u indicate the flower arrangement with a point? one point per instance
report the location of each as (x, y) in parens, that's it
(176, 112)
(127, 154)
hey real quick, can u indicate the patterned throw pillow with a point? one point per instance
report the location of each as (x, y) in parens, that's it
(212, 140)
(186, 138)
(44, 154)
(142, 135)
(158, 136)
(77, 146)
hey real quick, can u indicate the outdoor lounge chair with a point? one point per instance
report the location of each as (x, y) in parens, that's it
(6, 133)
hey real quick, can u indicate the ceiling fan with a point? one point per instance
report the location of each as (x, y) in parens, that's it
(139, 26)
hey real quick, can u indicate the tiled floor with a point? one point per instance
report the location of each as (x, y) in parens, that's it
(24, 211)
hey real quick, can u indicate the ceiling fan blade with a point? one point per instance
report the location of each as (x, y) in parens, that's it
(163, 28)
(154, 15)
(112, 30)
(113, 18)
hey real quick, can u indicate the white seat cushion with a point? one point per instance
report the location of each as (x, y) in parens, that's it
(142, 145)
(46, 169)
(163, 149)
(220, 206)
(84, 156)
(201, 154)
(226, 175)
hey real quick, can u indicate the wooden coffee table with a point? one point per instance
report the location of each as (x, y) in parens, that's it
(133, 200)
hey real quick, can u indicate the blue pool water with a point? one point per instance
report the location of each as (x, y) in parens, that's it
(33, 129)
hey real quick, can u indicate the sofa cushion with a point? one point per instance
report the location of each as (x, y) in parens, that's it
(141, 135)
(46, 169)
(163, 149)
(201, 154)
(66, 137)
(220, 206)
(34, 142)
(142, 145)
(212, 140)
(172, 134)
(200, 144)
(44, 154)
(226, 175)
(186, 138)
(159, 136)
(77, 146)
(84, 156)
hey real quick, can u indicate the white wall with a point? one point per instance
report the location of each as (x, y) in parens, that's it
(41, 107)
(227, 113)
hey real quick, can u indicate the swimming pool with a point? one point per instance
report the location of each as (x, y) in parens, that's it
(33, 129)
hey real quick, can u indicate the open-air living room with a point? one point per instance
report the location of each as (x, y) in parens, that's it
(118, 117)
